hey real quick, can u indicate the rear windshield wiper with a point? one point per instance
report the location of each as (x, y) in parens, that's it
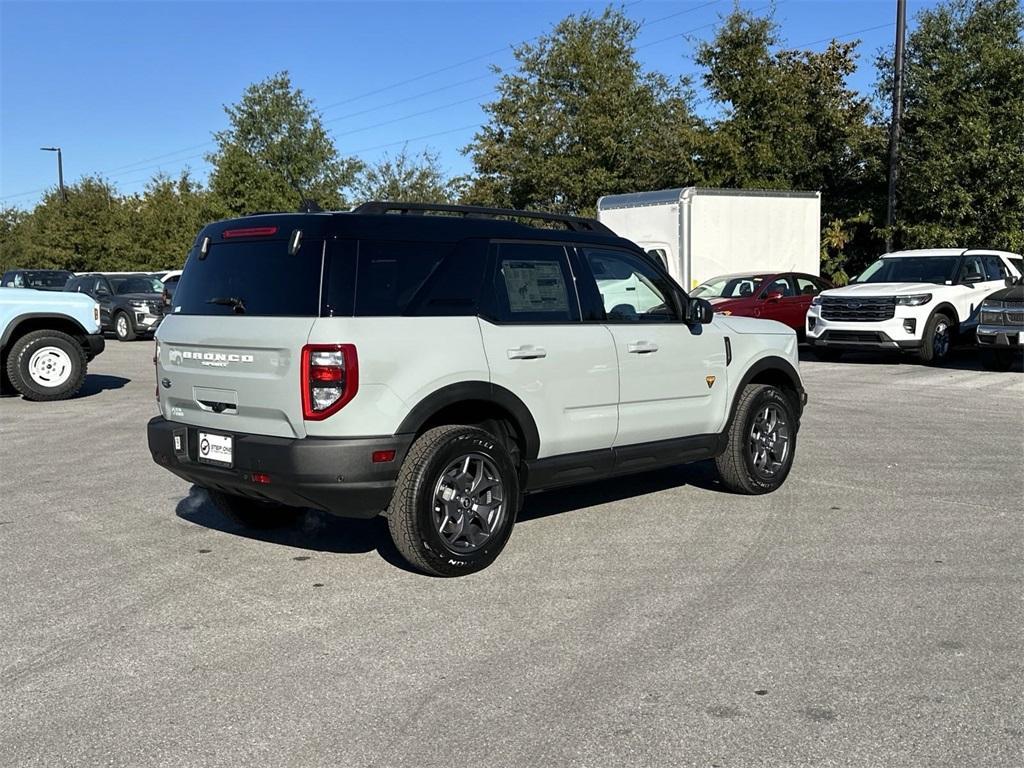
(234, 302)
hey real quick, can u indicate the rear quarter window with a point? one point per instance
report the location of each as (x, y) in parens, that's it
(261, 274)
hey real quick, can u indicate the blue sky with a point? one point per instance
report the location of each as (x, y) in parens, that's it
(131, 88)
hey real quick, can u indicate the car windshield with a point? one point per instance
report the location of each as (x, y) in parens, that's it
(733, 287)
(46, 279)
(136, 284)
(911, 269)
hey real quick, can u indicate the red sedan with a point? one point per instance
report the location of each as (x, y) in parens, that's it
(784, 296)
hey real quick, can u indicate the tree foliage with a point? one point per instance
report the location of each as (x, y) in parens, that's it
(789, 120)
(578, 119)
(961, 180)
(276, 153)
(405, 178)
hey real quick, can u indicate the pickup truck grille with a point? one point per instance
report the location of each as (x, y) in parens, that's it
(1014, 312)
(867, 310)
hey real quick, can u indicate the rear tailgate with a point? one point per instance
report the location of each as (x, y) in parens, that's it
(229, 351)
(239, 374)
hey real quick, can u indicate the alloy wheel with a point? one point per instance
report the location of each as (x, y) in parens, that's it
(769, 441)
(469, 503)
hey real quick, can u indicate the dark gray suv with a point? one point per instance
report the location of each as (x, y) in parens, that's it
(131, 305)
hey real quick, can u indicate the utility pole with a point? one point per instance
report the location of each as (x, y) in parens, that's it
(897, 116)
(60, 171)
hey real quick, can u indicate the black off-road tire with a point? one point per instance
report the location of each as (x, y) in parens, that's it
(411, 513)
(251, 513)
(129, 328)
(20, 356)
(998, 359)
(827, 354)
(927, 353)
(735, 465)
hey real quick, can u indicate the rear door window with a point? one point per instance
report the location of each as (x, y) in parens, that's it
(252, 278)
(531, 283)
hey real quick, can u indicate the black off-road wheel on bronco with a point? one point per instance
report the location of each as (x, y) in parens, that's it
(252, 513)
(455, 502)
(762, 441)
(46, 365)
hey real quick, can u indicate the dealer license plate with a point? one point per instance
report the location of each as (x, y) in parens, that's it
(215, 449)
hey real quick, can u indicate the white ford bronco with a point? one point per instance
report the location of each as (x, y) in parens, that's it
(915, 301)
(438, 368)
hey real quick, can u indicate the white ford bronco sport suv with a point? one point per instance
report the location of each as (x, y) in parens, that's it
(438, 368)
(914, 301)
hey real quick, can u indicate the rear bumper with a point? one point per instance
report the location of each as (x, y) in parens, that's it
(93, 344)
(333, 475)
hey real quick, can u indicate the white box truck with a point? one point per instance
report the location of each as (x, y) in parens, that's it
(702, 233)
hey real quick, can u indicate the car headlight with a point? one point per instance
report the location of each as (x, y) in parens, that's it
(816, 301)
(725, 312)
(990, 304)
(96, 313)
(913, 301)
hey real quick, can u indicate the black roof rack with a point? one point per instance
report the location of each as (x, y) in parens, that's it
(573, 223)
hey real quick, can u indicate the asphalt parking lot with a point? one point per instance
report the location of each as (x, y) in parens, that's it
(869, 613)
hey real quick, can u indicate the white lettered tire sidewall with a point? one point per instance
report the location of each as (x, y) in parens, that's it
(411, 515)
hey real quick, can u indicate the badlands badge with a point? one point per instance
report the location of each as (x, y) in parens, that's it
(710, 380)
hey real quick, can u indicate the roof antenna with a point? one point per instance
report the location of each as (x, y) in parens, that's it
(306, 204)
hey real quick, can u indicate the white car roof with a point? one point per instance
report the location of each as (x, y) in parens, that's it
(948, 252)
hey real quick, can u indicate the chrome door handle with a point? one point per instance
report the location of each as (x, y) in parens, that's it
(642, 347)
(527, 352)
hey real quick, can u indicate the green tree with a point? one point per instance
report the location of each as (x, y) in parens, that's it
(91, 231)
(961, 177)
(405, 178)
(276, 153)
(168, 215)
(787, 119)
(578, 119)
(12, 237)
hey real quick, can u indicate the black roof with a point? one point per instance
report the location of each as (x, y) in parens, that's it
(396, 226)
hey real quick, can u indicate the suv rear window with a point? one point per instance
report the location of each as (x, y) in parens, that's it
(260, 275)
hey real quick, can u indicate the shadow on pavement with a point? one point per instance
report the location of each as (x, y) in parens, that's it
(316, 531)
(700, 475)
(965, 358)
(100, 382)
(320, 532)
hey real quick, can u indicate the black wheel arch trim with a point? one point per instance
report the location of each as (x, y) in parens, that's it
(770, 363)
(948, 310)
(483, 391)
(18, 320)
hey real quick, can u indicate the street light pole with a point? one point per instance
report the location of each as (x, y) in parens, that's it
(897, 116)
(60, 171)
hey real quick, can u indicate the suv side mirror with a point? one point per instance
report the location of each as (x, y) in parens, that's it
(1010, 281)
(972, 277)
(699, 312)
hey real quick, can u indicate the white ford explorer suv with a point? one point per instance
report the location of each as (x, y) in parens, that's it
(437, 368)
(915, 301)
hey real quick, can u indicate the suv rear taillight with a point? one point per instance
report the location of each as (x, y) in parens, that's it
(330, 379)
